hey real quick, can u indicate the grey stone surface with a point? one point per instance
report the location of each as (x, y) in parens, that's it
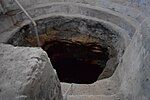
(92, 97)
(5, 23)
(110, 68)
(134, 70)
(27, 74)
(85, 10)
(131, 79)
(11, 31)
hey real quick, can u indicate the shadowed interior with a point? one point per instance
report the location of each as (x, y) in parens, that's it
(76, 62)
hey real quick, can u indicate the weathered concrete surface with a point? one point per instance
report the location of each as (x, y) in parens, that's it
(134, 69)
(109, 69)
(92, 97)
(27, 74)
(36, 7)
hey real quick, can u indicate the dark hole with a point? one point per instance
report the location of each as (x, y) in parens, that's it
(76, 62)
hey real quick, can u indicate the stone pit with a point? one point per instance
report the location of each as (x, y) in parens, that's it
(75, 46)
(89, 50)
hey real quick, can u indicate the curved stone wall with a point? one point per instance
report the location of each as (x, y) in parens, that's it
(71, 29)
(114, 21)
(26, 73)
(84, 10)
(131, 79)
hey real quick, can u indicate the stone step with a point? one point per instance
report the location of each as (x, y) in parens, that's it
(91, 97)
(101, 87)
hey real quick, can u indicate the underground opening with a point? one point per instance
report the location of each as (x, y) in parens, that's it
(76, 62)
(81, 50)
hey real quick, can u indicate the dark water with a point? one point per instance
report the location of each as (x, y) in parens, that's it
(76, 62)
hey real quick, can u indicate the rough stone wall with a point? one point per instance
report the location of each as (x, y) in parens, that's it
(50, 8)
(135, 66)
(27, 74)
(9, 4)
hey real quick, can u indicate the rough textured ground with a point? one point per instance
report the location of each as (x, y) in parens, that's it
(27, 74)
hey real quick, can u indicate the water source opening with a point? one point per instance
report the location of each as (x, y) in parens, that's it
(81, 50)
(77, 62)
